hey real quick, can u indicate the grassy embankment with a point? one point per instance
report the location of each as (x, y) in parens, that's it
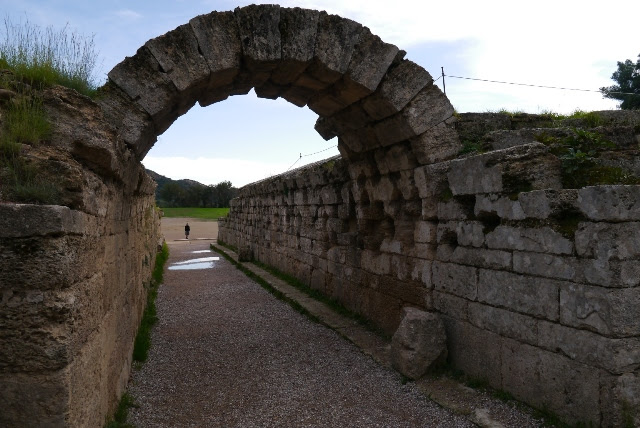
(201, 213)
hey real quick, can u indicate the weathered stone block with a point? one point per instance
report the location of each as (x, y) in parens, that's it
(399, 86)
(617, 356)
(394, 159)
(543, 240)
(428, 109)
(546, 265)
(472, 175)
(551, 381)
(425, 231)
(620, 400)
(335, 44)
(451, 306)
(607, 311)
(475, 351)
(440, 143)
(298, 28)
(259, 31)
(143, 80)
(480, 257)
(503, 322)
(456, 279)
(522, 294)
(503, 207)
(610, 203)
(466, 233)
(368, 65)
(608, 241)
(178, 56)
(132, 122)
(419, 343)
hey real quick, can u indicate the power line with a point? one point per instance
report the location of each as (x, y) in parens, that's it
(310, 154)
(538, 86)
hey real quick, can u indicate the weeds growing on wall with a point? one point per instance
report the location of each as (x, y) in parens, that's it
(44, 57)
(24, 123)
(579, 153)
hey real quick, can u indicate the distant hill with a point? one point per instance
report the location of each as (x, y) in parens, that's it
(190, 193)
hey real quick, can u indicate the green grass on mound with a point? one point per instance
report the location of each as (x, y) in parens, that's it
(203, 213)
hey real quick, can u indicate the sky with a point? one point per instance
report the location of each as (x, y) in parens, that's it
(561, 43)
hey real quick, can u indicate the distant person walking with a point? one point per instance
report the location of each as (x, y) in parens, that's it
(187, 229)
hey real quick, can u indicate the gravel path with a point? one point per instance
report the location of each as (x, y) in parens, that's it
(228, 354)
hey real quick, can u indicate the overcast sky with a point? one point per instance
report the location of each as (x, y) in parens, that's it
(570, 44)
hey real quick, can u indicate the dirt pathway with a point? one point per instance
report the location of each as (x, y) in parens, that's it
(226, 353)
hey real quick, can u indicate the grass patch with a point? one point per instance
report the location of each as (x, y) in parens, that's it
(471, 147)
(149, 317)
(24, 123)
(201, 213)
(44, 57)
(122, 412)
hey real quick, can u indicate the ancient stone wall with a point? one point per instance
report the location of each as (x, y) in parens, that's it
(537, 284)
(72, 278)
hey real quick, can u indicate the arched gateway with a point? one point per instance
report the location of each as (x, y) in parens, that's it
(537, 285)
(363, 90)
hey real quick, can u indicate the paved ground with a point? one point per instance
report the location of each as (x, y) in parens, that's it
(226, 353)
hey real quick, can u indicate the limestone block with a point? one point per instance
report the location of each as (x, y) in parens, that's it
(425, 231)
(480, 257)
(427, 109)
(369, 63)
(456, 279)
(132, 122)
(374, 262)
(401, 84)
(535, 204)
(540, 240)
(475, 351)
(524, 294)
(610, 203)
(419, 343)
(25, 220)
(548, 380)
(431, 180)
(437, 144)
(178, 56)
(501, 206)
(143, 80)
(452, 210)
(620, 401)
(219, 42)
(608, 240)
(617, 356)
(396, 158)
(450, 305)
(422, 272)
(546, 265)
(43, 398)
(465, 233)
(359, 141)
(503, 322)
(298, 28)
(472, 175)
(607, 311)
(259, 31)
(335, 44)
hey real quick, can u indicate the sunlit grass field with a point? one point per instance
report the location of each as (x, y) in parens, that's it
(202, 213)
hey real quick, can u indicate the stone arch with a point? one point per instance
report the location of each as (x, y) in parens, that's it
(362, 88)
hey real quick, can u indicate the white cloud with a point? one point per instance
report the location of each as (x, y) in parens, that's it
(128, 14)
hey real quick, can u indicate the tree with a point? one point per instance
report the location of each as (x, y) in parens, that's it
(628, 78)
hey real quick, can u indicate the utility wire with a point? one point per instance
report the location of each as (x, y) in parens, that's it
(310, 154)
(539, 86)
